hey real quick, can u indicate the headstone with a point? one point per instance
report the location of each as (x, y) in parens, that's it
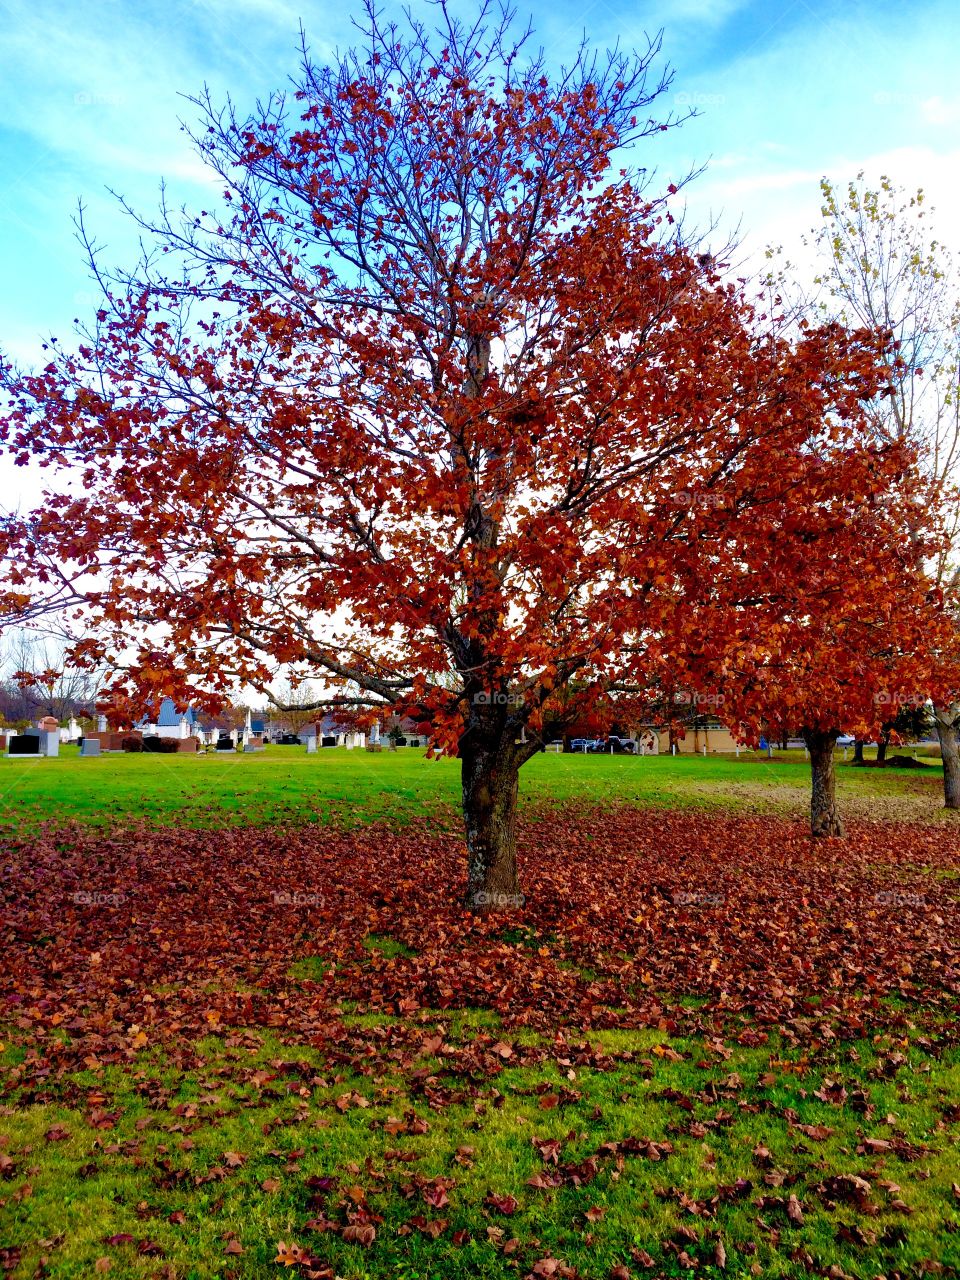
(375, 733)
(50, 742)
(312, 743)
(25, 744)
(90, 747)
(101, 724)
(225, 743)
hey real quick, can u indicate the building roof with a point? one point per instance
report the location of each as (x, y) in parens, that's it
(170, 717)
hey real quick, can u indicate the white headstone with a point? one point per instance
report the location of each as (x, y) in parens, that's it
(312, 743)
(375, 733)
(50, 743)
(101, 724)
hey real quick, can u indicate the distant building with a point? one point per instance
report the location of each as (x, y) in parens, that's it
(170, 723)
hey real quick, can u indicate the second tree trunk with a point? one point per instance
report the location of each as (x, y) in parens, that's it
(948, 732)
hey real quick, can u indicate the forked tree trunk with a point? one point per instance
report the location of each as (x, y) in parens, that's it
(490, 784)
(948, 731)
(824, 814)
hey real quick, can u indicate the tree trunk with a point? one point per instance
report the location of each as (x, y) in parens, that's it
(824, 814)
(882, 748)
(858, 751)
(948, 731)
(490, 783)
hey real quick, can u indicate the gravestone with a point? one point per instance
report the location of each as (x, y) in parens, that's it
(50, 743)
(324, 742)
(25, 744)
(225, 743)
(312, 743)
(90, 747)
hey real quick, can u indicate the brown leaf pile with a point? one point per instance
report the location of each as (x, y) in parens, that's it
(146, 936)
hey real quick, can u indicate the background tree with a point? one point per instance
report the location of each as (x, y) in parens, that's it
(443, 371)
(39, 680)
(820, 626)
(883, 266)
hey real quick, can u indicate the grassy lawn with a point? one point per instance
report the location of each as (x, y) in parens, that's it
(257, 1036)
(284, 784)
(645, 1155)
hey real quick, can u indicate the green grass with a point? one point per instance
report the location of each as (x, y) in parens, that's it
(284, 784)
(193, 1163)
(228, 1150)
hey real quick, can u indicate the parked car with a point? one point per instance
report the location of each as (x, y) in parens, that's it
(615, 744)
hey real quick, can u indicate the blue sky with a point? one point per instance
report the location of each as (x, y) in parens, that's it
(788, 90)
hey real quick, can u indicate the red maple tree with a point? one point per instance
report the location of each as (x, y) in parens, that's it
(421, 408)
(824, 620)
